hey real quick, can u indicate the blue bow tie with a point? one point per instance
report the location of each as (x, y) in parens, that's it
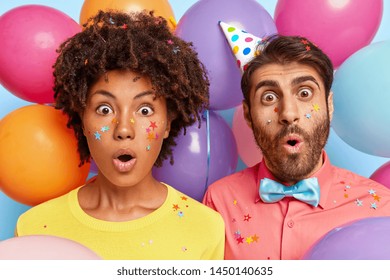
(307, 190)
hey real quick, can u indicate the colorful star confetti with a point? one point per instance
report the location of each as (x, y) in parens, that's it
(249, 240)
(359, 202)
(373, 206)
(308, 116)
(105, 128)
(247, 217)
(150, 136)
(153, 125)
(97, 135)
(175, 206)
(240, 240)
(316, 107)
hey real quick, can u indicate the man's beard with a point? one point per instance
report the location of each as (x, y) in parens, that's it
(297, 166)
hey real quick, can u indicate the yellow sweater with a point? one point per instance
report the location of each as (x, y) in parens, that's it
(182, 228)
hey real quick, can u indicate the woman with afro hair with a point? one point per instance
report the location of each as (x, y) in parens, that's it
(129, 86)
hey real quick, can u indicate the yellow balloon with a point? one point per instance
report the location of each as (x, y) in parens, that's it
(161, 8)
(38, 155)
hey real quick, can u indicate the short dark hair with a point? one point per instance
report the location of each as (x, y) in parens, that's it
(139, 42)
(288, 49)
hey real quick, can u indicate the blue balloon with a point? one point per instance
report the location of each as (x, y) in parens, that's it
(343, 155)
(10, 210)
(362, 100)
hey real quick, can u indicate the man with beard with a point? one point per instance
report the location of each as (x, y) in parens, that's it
(280, 207)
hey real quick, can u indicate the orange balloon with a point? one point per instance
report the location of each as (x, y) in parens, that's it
(161, 8)
(38, 155)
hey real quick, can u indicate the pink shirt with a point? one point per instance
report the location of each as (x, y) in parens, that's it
(288, 228)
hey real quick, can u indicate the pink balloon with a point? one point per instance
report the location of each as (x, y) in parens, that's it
(382, 175)
(338, 27)
(30, 35)
(44, 247)
(247, 147)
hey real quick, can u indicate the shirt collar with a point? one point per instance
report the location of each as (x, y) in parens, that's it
(324, 176)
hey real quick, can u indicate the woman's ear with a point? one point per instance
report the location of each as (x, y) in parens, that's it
(171, 118)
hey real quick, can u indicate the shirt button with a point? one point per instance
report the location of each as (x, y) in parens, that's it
(290, 223)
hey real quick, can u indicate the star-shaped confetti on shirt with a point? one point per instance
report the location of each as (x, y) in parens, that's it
(359, 202)
(372, 192)
(175, 206)
(255, 238)
(249, 240)
(247, 217)
(97, 135)
(105, 128)
(377, 197)
(240, 240)
(373, 206)
(183, 197)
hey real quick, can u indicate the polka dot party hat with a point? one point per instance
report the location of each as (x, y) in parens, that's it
(242, 44)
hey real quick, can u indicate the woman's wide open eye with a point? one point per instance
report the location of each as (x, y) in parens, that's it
(145, 111)
(104, 110)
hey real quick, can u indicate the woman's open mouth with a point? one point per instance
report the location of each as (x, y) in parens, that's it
(123, 161)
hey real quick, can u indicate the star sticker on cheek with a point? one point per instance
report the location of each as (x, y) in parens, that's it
(316, 107)
(153, 125)
(150, 136)
(132, 121)
(97, 135)
(105, 128)
(308, 116)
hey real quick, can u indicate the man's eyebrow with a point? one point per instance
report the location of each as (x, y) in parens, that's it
(303, 79)
(265, 83)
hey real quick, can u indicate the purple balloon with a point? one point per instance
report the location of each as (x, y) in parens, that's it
(364, 239)
(196, 166)
(199, 25)
(382, 175)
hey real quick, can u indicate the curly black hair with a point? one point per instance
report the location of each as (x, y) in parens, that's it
(139, 42)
